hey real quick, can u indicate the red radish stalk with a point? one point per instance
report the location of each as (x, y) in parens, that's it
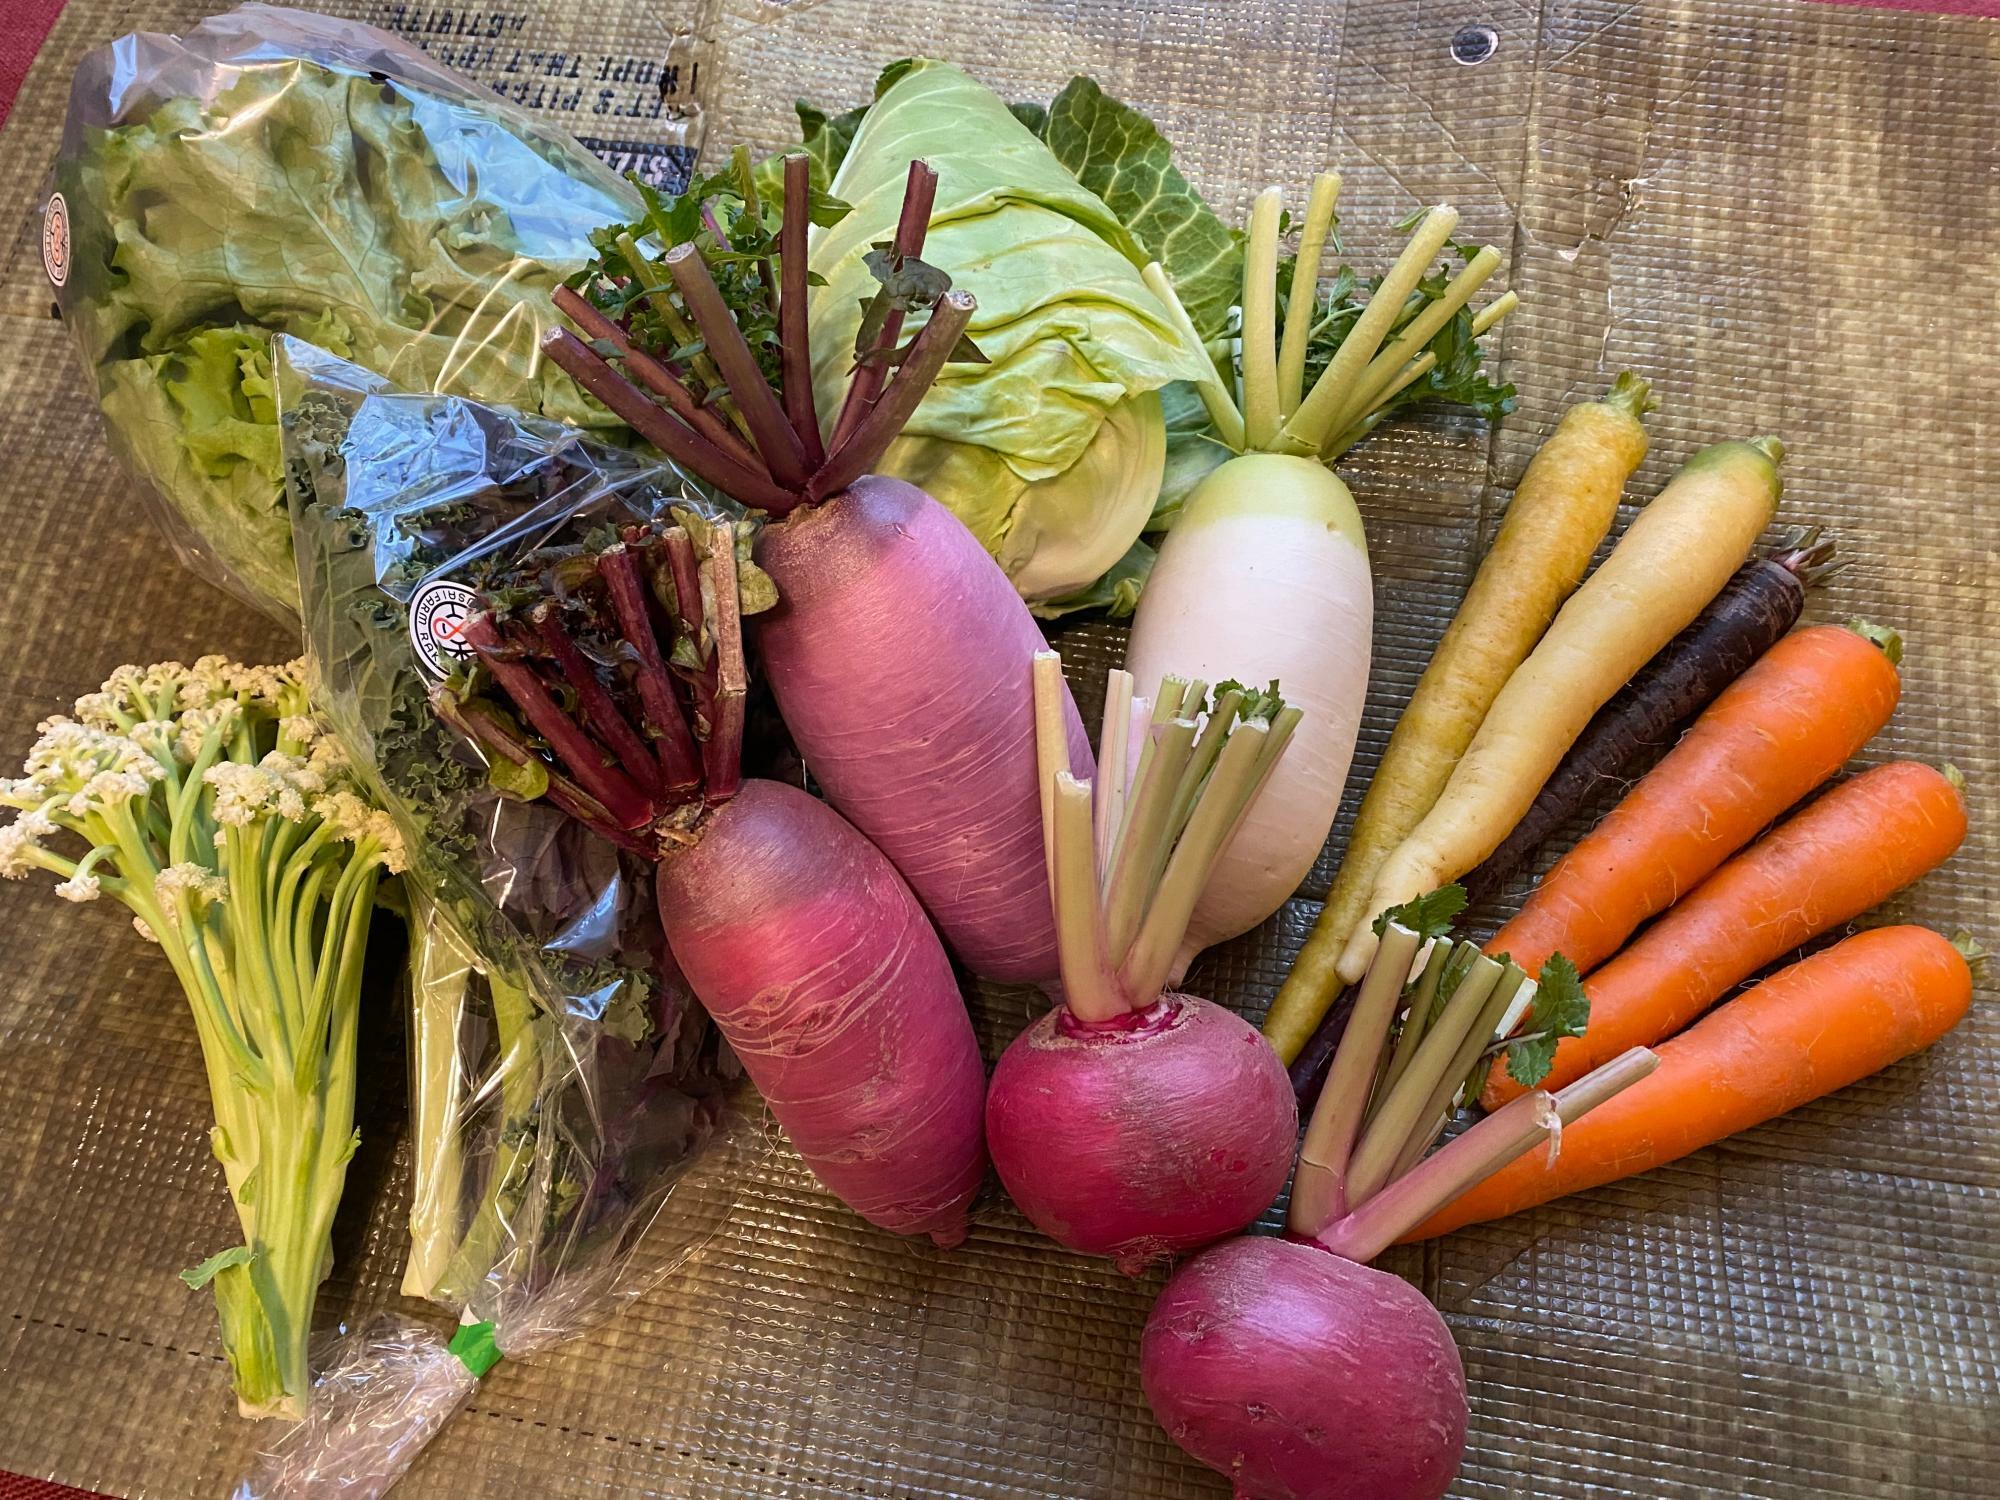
(1287, 1364)
(799, 937)
(898, 647)
(1127, 1122)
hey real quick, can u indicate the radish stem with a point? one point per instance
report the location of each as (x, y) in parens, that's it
(657, 426)
(1215, 395)
(1418, 1021)
(1260, 321)
(783, 454)
(705, 372)
(1405, 1106)
(912, 225)
(1502, 1137)
(795, 348)
(1319, 1191)
(1090, 989)
(1229, 790)
(1148, 833)
(1591, 1090)
(1374, 381)
(722, 750)
(1051, 747)
(1299, 308)
(656, 377)
(1113, 742)
(1419, 367)
(928, 355)
(1311, 425)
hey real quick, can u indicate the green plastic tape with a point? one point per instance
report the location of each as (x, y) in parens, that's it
(475, 1348)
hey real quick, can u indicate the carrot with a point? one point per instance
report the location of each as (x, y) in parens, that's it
(1817, 1026)
(1774, 734)
(1671, 561)
(1563, 506)
(1852, 849)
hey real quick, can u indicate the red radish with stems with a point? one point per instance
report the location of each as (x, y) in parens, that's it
(1288, 1365)
(798, 936)
(898, 648)
(1128, 1122)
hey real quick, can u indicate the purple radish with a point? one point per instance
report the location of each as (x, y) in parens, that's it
(798, 936)
(898, 649)
(1288, 1365)
(821, 969)
(1303, 1376)
(1128, 1123)
(935, 758)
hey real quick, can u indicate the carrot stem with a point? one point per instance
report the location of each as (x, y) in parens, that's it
(1319, 1191)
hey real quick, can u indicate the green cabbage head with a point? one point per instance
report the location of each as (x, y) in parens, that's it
(1052, 452)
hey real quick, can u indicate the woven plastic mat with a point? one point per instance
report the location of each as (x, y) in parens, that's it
(1788, 216)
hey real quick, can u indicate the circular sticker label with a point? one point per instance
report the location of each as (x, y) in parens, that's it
(55, 240)
(438, 612)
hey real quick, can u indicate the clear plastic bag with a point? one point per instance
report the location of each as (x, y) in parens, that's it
(577, 1125)
(280, 172)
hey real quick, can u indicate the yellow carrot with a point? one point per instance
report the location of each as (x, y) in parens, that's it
(1671, 561)
(1561, 510)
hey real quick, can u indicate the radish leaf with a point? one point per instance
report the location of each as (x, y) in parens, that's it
(1561, 1009)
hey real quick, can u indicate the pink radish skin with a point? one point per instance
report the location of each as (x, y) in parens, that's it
(1155, 1134)
(814, 958)
(1303, 1376)
(900, 658)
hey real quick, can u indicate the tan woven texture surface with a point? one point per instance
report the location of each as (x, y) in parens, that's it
(1788, 216)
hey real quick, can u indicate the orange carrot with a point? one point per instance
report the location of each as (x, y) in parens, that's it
(1851, 850)
(1817, 1026)
(1773, 735)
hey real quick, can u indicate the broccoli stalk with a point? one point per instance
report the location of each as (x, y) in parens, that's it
(209, 802)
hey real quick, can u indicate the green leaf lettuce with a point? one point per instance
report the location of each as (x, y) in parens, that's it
(416, 234)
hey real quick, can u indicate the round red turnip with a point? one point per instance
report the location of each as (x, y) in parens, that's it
(1303, 1376)
(1159, 1131)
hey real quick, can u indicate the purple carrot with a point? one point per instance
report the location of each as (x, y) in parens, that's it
(1753, 611)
